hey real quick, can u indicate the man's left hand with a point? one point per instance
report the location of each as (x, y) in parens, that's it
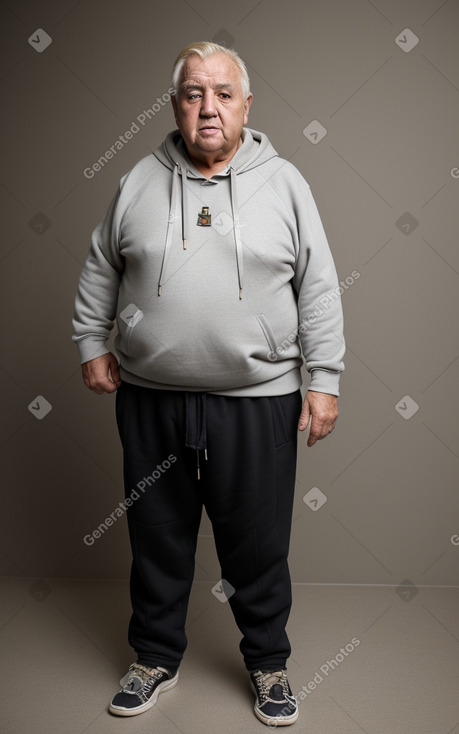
(322, 409)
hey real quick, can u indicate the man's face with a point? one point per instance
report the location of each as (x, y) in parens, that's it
(210, 109)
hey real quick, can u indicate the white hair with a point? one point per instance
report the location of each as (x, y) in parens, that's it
(204, 49)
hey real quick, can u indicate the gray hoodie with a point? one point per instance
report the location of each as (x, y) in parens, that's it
(227, 306)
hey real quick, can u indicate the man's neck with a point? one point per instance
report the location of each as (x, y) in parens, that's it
(210, 165)
(210, 169)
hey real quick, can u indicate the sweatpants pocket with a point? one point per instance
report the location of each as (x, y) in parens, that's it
(285, 411)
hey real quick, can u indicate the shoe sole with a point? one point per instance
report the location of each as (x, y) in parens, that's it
(274, 722)
(119, 711)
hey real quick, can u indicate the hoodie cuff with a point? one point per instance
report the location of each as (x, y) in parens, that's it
(325, 381)
(91, 348)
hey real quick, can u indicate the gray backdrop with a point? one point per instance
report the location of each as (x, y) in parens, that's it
(363, 97)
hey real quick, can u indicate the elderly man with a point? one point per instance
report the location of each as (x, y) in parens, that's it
(213, 261)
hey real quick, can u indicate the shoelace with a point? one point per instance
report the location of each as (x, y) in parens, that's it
(265, 688)
(146, 675)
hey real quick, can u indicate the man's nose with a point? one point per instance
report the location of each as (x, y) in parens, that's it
(208, 108)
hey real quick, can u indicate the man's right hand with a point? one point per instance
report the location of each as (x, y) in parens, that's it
(102, 374)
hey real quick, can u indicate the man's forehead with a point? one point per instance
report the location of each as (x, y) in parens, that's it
(218, 69)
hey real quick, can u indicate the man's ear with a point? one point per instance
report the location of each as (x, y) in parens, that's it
(247, 105)
(174, 106)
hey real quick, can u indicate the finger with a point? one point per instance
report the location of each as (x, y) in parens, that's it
(315, 432)
(114, 374)
(304, 416)
(110, 386)
(98, 384)
(104, 385)
(319, 430)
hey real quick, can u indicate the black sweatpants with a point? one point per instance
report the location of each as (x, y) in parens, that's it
(246, 485)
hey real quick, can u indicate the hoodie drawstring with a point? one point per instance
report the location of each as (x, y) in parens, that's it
(236, 231)
(170, 228)
(184, 208)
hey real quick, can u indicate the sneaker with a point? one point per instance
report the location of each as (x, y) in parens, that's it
(275, 704)
(141, 688)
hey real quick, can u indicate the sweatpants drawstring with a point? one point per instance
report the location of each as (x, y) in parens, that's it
(196, 425)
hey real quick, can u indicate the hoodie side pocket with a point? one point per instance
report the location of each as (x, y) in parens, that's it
(267, 331)
(131, 316)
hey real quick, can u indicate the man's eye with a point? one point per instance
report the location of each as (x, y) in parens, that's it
(193, 96)
(225, 95)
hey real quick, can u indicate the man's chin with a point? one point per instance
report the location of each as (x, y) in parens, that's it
(209, 146)
(210, 142)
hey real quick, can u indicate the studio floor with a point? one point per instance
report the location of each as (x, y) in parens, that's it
(374, 659)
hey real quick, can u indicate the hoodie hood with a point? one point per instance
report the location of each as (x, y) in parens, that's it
(254, 151)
